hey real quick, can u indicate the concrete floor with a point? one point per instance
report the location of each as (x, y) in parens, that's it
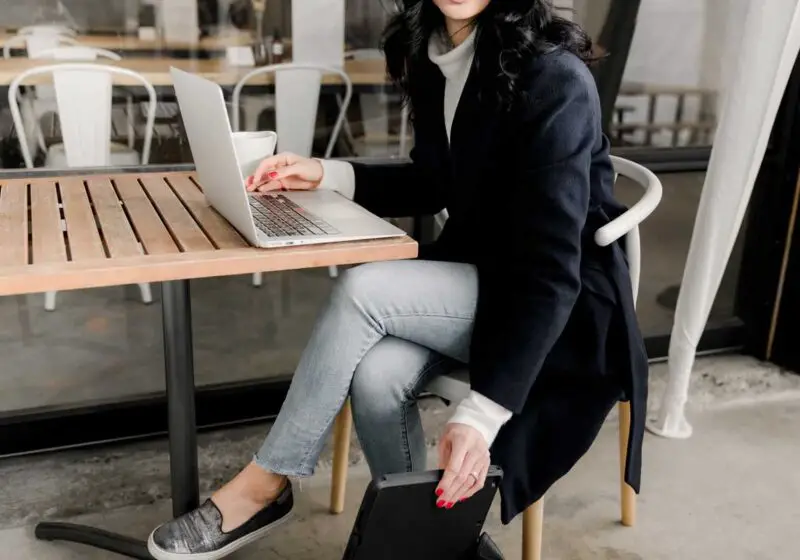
(729, 493)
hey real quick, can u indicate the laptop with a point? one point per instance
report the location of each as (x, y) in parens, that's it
(270, 219)
(399, 520)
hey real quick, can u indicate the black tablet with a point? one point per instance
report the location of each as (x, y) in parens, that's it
(399, 520)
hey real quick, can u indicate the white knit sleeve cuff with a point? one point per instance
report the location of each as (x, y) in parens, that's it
(483, 414)
(338, 176)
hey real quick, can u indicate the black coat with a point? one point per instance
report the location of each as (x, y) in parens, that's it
(555, 338)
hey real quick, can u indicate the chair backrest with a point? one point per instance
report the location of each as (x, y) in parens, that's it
(297, 89)
(35, 43)
(76, 53)
(627, 224)
(83, 91)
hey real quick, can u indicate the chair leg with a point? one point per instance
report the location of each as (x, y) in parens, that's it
(50, 301)
(532, 520)
(341, 451)
(627, 495)
(333, 271)
(258, 279)
(147, 293)
(131, 132)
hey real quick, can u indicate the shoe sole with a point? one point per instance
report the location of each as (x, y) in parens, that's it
(230, 548)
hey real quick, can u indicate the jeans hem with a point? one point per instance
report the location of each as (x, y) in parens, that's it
(282, 471)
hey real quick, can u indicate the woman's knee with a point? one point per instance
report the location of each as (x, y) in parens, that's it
(363, 281)
(386, 378)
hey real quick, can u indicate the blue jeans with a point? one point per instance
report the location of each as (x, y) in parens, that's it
(386, 330)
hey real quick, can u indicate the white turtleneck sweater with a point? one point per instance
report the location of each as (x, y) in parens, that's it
(476, 411)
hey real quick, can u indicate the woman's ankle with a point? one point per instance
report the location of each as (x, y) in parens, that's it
(254, 484)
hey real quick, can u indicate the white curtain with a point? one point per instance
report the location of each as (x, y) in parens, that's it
(769, 45)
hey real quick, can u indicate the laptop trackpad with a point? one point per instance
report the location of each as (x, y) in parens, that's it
(329, 205)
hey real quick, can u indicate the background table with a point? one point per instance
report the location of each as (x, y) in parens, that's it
(126, 43)
(133, 228)
(156, 70)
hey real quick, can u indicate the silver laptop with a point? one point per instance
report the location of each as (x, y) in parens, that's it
(265, 220)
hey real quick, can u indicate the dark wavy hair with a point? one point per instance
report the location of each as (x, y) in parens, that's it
(508, 32)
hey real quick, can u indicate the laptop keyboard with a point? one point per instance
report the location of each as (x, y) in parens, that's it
(277, 216)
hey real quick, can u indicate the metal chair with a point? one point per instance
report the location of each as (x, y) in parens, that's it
(82, 90)
(35, 41)
(38, 100)
(297, 91)
(80, 53)
(454, 387)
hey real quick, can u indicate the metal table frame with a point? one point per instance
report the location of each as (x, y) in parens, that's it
(184, 475)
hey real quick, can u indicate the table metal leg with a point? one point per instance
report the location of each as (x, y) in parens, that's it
(179, 370)
(176, 306)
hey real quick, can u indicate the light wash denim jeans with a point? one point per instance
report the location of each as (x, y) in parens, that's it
(387, 328)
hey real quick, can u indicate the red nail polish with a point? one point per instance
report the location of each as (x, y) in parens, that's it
(440, 504)
(439, 491)
(449, 505)
(272, 174)
(462, 500)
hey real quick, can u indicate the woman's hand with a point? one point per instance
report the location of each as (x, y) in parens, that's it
(464, 456)
(285, 172)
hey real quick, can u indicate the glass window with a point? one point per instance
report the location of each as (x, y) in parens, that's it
(659, 85)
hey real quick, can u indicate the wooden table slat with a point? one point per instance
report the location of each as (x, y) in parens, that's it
(184, 229)
(13, 223)
(148, 225)
(47, 234)
(82, 235)
(222, 233)
(114, 226)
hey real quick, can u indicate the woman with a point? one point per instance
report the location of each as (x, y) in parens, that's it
(508, 139)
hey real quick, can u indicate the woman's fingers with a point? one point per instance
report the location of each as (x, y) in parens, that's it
(467, 477)
(481, 482)
(453, 478)
(272, 163)
(445, 448)
(260, 174)
(283, 178)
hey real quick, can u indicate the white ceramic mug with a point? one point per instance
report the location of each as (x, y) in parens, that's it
(252, 148)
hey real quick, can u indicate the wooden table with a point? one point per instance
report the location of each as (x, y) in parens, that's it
(156, 70)
(75, 232)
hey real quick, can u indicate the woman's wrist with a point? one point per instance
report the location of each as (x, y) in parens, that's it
(482, 414)
(338, 176)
